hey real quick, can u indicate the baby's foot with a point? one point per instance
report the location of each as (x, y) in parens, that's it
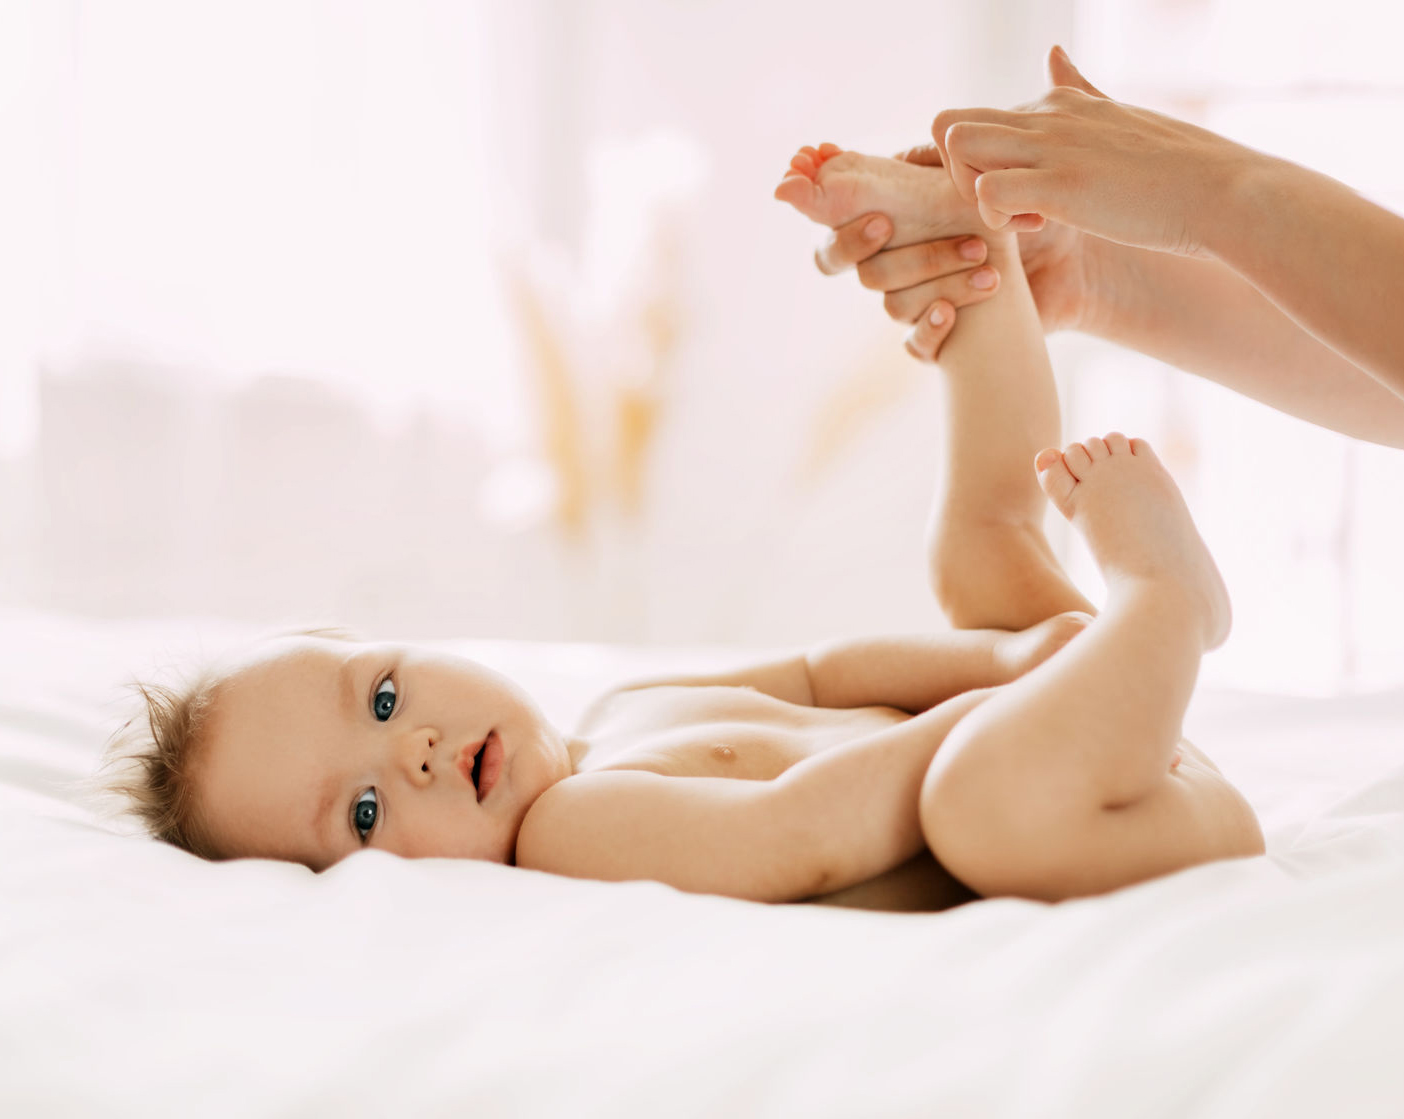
(1119, 496)
(832, 186)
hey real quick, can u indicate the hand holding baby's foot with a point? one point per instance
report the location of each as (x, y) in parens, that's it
(1020, 651)
(1119, 496)
(832, 186)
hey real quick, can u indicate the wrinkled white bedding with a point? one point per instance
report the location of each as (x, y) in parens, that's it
(137, 980)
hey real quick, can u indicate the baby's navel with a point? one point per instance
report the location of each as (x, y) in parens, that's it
(720, 750)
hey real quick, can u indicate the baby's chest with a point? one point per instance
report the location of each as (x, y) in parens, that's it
(721, 732)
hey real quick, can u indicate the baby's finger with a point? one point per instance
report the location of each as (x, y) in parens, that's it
(960, 290)
(910, 265)
(853, 242)
(931, 330)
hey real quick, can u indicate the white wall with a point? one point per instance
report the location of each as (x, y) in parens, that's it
(272, 351)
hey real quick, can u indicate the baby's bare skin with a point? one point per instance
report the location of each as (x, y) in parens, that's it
(1032, 752)
(832, 186)
(1102, 719)
(1120, 497)
(702, 727)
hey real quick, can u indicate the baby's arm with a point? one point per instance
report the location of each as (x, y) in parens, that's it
(911, 672)
(918, 672)
(756, 840)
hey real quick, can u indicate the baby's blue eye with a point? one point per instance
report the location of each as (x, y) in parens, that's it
(364, 812)
(383, 703)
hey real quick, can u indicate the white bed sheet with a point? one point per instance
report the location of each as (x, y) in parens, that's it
(138, 980)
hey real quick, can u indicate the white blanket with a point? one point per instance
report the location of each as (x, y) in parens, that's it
(138, 980)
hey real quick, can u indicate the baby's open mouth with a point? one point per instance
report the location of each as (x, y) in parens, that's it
(478, 765)
(486, 765)
(471, 765)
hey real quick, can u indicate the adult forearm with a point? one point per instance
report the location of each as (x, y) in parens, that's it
(868, 793)
(1330, 259)
(1201, 316)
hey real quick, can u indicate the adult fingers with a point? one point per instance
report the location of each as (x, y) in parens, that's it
(1017, 190)
(995, 219)
(991, 146)
(1061, 71)
(973, 147)
(852, 242)
(910, 265)
(924, 155)
(960, 290)
(948, 117)
(926, 337)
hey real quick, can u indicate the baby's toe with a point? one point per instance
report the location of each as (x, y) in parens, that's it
(1117, 443)
(1096, 449)
(1141, 447)
(804, 163)
(1077, 460)
(1055, 477)
(798, 190)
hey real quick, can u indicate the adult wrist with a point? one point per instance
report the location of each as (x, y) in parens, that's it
(1239, 203)
(1114, 290)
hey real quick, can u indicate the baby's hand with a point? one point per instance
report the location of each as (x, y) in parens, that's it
(1021, 651)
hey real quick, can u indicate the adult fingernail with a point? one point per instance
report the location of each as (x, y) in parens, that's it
(983, 278)
(875, 230)
(974, 249)
(937, 316)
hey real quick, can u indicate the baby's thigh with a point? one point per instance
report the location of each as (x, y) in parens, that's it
(1198, 756)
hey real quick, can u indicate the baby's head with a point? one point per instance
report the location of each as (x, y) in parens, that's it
(308, 746)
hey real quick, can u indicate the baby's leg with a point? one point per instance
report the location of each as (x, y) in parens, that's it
(1062, 785)
(990, 563)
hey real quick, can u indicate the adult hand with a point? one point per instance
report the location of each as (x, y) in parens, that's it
(1077, 157)
(923, 284)
(1060, 264)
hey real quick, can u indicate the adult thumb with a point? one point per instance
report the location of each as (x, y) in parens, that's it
(1061, 71)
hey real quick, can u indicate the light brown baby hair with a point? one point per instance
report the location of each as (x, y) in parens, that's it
(147, 762)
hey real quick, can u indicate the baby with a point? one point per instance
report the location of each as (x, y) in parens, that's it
(1035, 751)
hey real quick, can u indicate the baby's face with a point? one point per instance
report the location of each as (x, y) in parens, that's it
(317, 748)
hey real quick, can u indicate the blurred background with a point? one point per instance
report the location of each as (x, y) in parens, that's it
(479, 320)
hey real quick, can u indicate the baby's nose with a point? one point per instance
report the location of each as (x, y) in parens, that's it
(416, 752)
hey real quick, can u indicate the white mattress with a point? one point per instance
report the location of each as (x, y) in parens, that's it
(138, 980)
